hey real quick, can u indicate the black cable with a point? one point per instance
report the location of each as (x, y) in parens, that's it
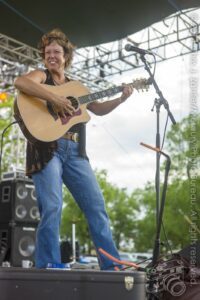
(1, 146)
(163, 140)
(163, 227)
(166, 239)
(3, 250)
(154, 71)
(165, 131)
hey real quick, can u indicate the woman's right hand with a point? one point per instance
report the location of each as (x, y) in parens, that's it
(62, 106)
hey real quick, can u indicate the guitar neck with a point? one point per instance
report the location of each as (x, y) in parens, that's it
(138, 84)
(99, 95)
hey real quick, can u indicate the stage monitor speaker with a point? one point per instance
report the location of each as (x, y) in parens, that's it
(18, 202)
(19, 242)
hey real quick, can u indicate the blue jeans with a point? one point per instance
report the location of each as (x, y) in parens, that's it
(75, 172)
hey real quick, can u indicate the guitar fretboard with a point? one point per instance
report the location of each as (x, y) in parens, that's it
(138, 84)
(98, 95)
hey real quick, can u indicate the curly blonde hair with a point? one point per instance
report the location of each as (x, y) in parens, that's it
(61, 39)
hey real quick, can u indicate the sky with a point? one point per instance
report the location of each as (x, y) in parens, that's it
(113, 140)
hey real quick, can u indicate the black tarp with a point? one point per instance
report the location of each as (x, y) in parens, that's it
(87, 22)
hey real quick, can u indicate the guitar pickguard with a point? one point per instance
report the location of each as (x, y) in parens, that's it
(68, 118)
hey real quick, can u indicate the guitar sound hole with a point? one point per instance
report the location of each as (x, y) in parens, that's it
(74, 102)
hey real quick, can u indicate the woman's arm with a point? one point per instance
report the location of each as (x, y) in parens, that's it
(103, 108)
(31, 85)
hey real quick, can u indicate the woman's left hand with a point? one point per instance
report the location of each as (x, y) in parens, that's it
(127, 92)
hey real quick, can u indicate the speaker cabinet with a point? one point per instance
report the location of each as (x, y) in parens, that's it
(19, 242)
(18, 202)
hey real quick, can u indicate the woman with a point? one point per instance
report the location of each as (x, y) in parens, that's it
(65, 160)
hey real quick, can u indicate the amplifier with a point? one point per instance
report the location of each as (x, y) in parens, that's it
(14, 175)
(18, 201)
(18, 241)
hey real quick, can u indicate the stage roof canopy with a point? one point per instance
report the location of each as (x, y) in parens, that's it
(86, 23)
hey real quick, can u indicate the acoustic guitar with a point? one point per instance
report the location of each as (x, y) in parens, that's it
(37, 118)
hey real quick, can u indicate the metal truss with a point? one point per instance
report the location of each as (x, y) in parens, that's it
(95, 66)
(17, 148)
(175, 36)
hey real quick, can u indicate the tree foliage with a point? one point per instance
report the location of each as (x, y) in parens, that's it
(183, 143)
(181, 213)
(6, 117)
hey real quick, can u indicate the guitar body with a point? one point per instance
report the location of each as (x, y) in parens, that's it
(38, 121)
(42, 123)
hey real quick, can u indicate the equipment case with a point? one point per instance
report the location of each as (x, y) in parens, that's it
(34, 284)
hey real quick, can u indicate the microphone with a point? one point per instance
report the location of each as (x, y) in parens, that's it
(129, 47)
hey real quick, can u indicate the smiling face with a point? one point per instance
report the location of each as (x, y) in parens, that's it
(54, 57)
(57, 45)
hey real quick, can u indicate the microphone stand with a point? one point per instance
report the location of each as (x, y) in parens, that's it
(158, 102)
(151, 289)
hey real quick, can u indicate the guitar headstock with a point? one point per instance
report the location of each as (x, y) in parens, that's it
(141, 84)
